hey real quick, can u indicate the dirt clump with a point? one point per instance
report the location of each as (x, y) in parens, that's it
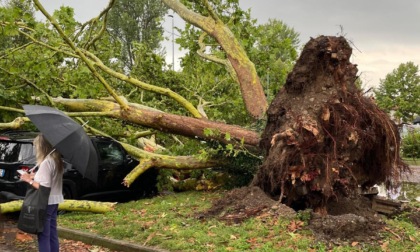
(242, 203)
(350, 219)
(346, 228)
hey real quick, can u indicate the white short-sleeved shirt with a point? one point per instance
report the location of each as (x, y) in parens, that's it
(49, 176)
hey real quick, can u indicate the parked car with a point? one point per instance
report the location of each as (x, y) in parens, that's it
(17, 152)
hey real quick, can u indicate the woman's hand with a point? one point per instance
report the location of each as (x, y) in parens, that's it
(27, 177)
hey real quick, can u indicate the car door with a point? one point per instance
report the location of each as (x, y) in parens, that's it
(111, 165)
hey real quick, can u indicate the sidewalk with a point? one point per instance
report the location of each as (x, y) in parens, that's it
(414, 177)
(13, 240)
(116, 245)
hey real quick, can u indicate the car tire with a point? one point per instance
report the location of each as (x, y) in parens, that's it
(69, 189)
(67, 192)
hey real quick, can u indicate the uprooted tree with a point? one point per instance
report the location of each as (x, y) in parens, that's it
(322, 138)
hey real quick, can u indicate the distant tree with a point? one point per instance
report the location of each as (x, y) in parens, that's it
(136, 21)
(274, 53)
(400, 92)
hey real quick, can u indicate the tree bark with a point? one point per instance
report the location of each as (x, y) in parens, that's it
(67, 205)
(165, 122)
(149, 160)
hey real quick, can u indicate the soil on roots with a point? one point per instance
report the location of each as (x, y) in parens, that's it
(323, 136)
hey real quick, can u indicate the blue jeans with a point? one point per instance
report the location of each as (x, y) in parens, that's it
(48, 239)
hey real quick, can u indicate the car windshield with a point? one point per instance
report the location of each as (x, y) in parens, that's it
(14, 151)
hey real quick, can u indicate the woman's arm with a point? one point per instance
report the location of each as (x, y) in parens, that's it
(29, 178)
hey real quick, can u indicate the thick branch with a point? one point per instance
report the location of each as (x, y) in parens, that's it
(67, 205)
(226, 63)
(148, 160)
(165, 122)
(250, 85)
(15, 124)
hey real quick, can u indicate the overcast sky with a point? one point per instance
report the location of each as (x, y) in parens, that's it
(384, 33)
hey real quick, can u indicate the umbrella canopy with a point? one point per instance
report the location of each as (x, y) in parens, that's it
(417, 120)
(67, 136)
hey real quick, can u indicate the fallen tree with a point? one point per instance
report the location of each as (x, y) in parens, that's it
(322, 138)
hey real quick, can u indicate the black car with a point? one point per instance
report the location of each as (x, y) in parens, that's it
(17, 152)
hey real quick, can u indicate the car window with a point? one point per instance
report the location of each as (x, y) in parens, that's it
(110, 152)
(13, 151)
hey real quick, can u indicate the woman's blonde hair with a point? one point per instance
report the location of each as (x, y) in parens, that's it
(43, 148)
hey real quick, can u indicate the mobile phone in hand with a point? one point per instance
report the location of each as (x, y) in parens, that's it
(22, 172)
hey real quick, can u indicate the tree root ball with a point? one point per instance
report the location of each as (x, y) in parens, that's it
(323, 137)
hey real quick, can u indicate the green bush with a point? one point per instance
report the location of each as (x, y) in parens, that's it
(410, 146)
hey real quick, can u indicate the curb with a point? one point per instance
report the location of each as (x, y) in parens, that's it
(94, 239)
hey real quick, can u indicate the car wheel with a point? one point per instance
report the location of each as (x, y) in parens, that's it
(67, 192)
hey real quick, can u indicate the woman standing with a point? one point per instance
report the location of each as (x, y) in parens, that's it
(50, 174)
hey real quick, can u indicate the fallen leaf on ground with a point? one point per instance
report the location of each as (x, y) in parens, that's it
(24, 237)
(295, 225)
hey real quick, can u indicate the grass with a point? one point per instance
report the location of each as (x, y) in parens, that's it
(412, 161)
(172, 222)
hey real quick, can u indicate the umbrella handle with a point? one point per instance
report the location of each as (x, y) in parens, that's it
(33, 168)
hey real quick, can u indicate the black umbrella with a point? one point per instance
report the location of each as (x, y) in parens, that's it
(417, 120)
(67, 136)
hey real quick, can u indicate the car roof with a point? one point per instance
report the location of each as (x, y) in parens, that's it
(27, 136)
(30, 135)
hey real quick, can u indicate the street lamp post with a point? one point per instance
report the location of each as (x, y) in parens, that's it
(173, 44)
(268, 84)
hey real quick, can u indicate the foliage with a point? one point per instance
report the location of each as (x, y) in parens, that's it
(136, 22)
(400, 92)
(274, 53)
(241, 169)
(30, 70)
(410, 146)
